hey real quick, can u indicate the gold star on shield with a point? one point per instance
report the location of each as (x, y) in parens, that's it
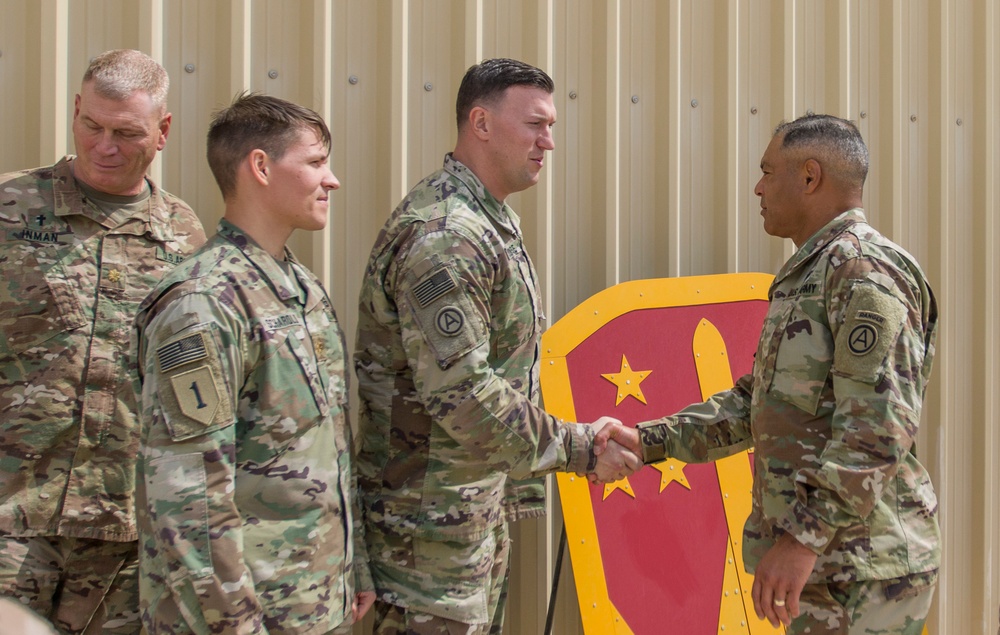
(627, 381)
(670, 470)
(623, 485)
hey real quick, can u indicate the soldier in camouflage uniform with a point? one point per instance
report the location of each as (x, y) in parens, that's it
(447, 360)
(843, 536)
(81, 244)
(245, 491)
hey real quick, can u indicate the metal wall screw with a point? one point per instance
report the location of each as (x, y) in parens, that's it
(863, 114)
(273, 74)
(694, 103)
(635, 99)
(913, 117)
(428, 87)
(353, 79)
(572, 94)
(753, 110)
(958, 122)
(189, 68)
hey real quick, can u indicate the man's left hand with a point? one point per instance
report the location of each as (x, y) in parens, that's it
(779, 579)
(363, 601)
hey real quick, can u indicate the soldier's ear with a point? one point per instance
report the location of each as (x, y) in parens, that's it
(479, 122)
(258, 161)
(813, 173)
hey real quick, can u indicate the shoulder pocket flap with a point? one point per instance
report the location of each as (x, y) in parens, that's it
(872, 322)
(446, 317)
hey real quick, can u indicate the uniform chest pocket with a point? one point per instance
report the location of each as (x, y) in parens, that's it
(799, 359)
(516, 317)
(298, 386)
(37, 301)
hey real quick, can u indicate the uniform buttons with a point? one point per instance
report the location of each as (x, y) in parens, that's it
(43, 496)
(320, 348)
(114, 275)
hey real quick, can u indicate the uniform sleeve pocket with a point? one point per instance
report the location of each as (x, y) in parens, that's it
(192, 389)
(178, 503)
(444, 314)
(872, 323)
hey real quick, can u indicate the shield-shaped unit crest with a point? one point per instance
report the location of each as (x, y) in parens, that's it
(658, 552)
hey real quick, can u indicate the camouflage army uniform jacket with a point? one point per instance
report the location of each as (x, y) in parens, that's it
(832, 409)
(447, 360)
(244, 487)
(71, 280)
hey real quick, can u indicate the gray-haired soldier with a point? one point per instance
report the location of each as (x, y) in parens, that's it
(81, 244)
(843, 536)
(245, 491)
(447, 360)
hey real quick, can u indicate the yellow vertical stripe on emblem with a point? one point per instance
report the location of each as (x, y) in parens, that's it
(736, 612)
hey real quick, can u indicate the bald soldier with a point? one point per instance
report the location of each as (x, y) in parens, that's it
(81, 244)
(843, 536)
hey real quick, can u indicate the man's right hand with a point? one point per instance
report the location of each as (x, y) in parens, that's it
(618, 450)
(617, 455)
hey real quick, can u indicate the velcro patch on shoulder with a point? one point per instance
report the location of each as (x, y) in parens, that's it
(433, 286)
(444, 314)
(873, 320)
(191, 386)
(188, 349)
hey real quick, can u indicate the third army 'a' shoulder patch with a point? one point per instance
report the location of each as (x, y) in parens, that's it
(872, 322)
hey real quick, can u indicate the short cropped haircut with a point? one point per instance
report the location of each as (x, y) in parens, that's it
(120, 73)
(254, 121)
(836, 143)
(485, 83)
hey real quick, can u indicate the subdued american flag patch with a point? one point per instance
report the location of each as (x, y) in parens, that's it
(182, 351)
(434, 287)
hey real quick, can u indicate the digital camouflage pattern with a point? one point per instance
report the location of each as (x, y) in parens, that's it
(447, 360)
(832, 409)
(245, 487)
(71, 279)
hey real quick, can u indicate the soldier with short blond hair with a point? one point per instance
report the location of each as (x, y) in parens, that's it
(81, 244)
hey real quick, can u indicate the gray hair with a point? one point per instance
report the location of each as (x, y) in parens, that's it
(836, 143)
(120, 73)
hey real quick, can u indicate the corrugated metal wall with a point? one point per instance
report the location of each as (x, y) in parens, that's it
(665, 107)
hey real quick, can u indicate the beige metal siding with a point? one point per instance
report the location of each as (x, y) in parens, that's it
(665, 107)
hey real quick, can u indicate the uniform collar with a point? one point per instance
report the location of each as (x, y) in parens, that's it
(265, 263)
(818, 241)
(68, 201)
(500, 213)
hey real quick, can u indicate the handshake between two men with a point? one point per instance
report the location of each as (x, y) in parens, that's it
(618, 451)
